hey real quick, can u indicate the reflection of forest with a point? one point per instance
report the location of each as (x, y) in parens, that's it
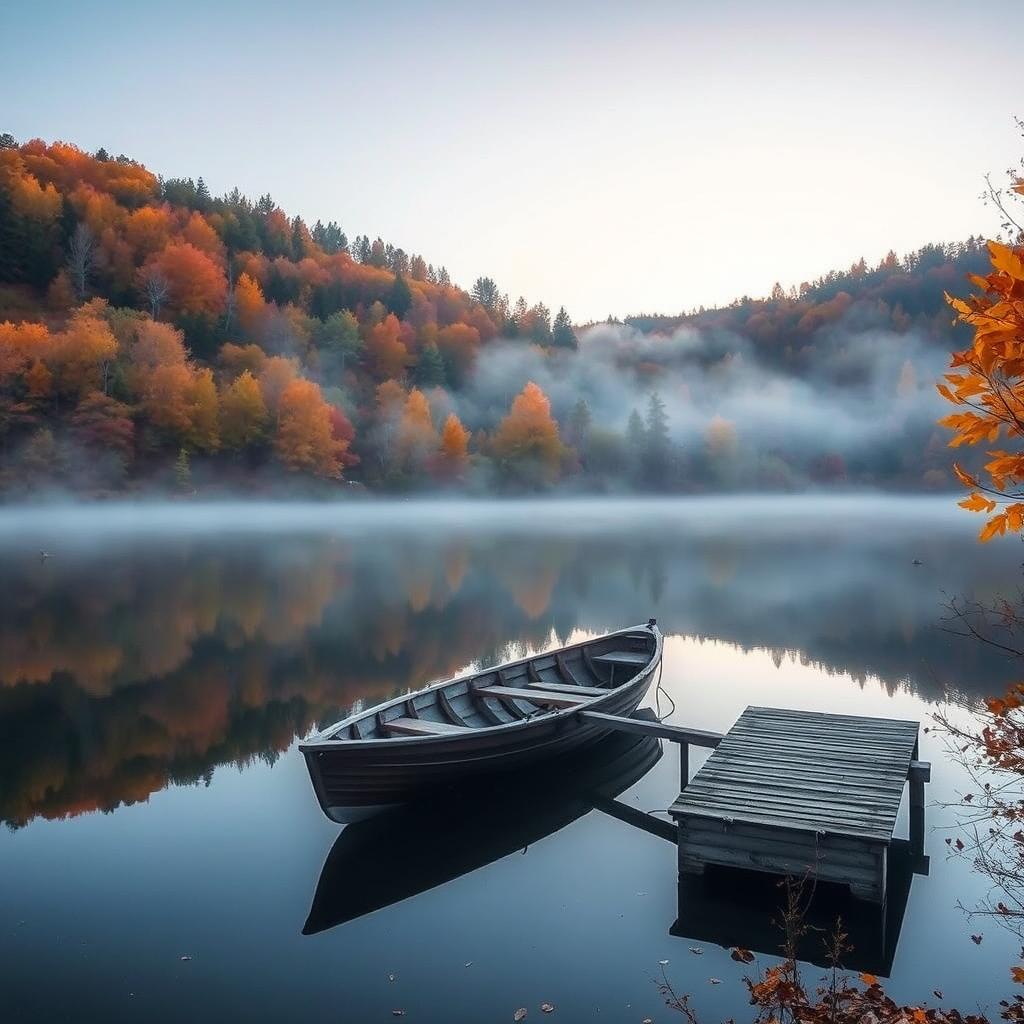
(122, 670)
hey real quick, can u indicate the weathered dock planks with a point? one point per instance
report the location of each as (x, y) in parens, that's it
(802, 793)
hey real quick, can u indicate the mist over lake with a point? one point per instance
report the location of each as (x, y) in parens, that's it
(159, 665)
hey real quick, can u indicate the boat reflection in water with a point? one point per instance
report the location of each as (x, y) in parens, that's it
(469, 826)
(730, 907)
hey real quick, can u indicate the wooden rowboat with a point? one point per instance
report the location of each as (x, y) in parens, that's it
(496, 720)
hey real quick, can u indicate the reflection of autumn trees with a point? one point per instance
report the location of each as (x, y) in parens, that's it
(123, 670)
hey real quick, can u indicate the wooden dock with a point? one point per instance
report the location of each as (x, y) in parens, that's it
(797, 793)
(800, 792)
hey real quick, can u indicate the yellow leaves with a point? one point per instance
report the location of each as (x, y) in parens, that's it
(1015, 518)
(966, 385)
(1017, 973)
(454, 451)
(995, 527)
(1007, 260)
(528, 435)
(304, 439)
(971, 386)
(958, 304)
(971, 428)
(868, 979)
(977, 503)
(1005, 468)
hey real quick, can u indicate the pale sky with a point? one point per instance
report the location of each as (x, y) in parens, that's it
(612, 157)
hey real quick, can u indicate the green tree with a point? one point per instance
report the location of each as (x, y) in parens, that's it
(399, 297)
(578, 427)
(203, 199)
(183, 470)
(429, 371)
(377, 256)
(338, 338)
(657, 446)
(485, 291)
(540, 328)
(562, 334)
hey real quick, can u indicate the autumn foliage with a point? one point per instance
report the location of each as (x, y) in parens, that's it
(179, 331)
(527, 439)
(988, 381)
(305, 440)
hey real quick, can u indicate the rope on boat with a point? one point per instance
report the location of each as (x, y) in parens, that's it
(659, 690)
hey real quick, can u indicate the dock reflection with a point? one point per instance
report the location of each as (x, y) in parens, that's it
(369, 866)
(730, 907)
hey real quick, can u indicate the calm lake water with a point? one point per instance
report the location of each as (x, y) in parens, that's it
(157, 670)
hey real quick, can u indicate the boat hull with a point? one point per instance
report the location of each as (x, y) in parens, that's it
(355, 780)
(355, 783)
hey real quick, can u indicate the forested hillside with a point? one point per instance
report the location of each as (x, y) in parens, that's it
(155, 336)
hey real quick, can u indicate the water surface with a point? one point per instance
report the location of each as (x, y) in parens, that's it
(158, 666)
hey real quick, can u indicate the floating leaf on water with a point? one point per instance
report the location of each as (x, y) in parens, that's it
(696, 951)
(743, 956)
(185, 957)
(869, 979)
(546, 1008)
(391, 977)
(398, 1013)
(520, 1014)
(468, 963)
(664, 963)
(937, 993)
(647, 1020)
(641, 894)
(715, 981)
(976, 939)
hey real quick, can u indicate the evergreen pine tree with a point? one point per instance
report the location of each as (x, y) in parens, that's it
(656, 442)
(12, 241)
(485, 291)
(636, 436)
(562, 334)
(578, 428)
(203, 197)
(399, 297)
(429, 371)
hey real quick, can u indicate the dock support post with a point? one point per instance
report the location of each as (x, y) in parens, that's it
(920, 773)
(684, 765)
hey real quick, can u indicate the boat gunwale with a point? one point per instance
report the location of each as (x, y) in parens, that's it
(322, 741)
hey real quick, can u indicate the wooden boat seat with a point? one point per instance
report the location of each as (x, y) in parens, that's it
(638, 658)
(421, 727)
(537, 696)
(583, 691)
